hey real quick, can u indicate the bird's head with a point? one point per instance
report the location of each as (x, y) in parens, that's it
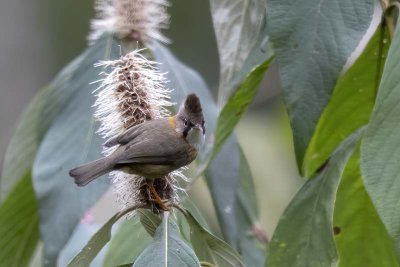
(190, 121)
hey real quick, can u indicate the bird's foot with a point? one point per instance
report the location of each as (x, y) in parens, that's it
(163, 204)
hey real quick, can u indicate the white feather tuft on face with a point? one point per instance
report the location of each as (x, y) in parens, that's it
(144, 18)
(195, 137)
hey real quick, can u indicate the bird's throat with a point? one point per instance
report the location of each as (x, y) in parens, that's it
(195, 137)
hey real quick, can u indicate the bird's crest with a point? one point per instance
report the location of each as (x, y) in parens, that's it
(192, 104)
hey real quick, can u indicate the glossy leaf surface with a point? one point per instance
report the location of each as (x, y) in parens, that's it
(311, 242)
(361, 237)
(127, 243)
(237, 26)
(350, 106)
(312, 42)
(209, 248)
(380, 155)
(167, 249)
(19, 225)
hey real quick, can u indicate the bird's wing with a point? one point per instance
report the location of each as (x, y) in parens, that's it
(132, 133)
(125, 137)
(154, 147)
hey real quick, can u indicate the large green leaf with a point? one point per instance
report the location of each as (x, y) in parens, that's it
(304, 235)
(237, 25)
(128, 242)
(19, 225)
(350, 105)
(361, 238)
(312, 40)
(225, 173)
(167, 249)
(237, 104)
(33, 125)
(380, 155)
(70, 141)
(209, 248)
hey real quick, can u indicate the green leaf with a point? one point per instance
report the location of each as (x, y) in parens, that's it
(192, 208)
(167, 249)
(350, 105)
(33, 125)
(19, 229)
(380, 157)
(209, 248)
(312, 41)
(98, 240)
(70, 141)
(149, 220)
(361, 238)
(95, 244)
(237, 25)
(237, 105)
(23, 144)
(128, 242)
(310, 242)
(226, 172)
(184, 227)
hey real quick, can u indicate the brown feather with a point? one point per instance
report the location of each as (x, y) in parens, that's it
(192, 104)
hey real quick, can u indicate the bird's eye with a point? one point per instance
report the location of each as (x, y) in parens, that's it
(202, 123)
(185, 122)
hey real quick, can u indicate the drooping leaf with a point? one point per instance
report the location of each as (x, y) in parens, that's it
(95, 244)
(192, 208)
(19, 225)
(311, 241)
(70, 141)
(224, 174)
(98, 240)
(167, 249)
(350, 105)
(361, 238)
(33, 125)
(236, 105)
(128, 242)
(209, 248)
(149, 220)
(181, 221)
(380, 157)
(237, 26)
(312, 42)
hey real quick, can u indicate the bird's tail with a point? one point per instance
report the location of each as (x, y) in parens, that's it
(88, 172)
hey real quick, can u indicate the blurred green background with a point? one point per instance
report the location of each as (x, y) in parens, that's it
(37, 38)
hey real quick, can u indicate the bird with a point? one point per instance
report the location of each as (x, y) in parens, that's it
(151, 149)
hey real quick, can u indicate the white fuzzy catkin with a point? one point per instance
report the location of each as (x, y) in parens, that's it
(132, 92)
(141, 20)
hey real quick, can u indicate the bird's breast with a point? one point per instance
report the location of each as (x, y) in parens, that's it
(192, 154)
